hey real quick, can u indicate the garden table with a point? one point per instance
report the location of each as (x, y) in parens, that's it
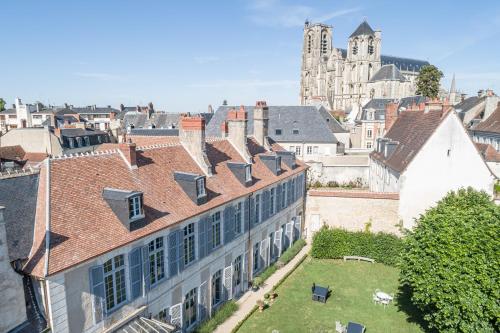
(355, 328)
(384, 296)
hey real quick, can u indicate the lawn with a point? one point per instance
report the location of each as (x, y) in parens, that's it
(353, 284)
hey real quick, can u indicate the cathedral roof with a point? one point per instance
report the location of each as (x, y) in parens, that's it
(388, 73)
(363, 29)
(403, 64)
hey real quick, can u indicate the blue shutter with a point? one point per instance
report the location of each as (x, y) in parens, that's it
(290, 193)
(180, 247)
(246, 212)
(145, 268)
(202, 237)
(173, 257)
(210, 243)
(253, 216)
(284, 196)
(134, 259)
(278, 198)
(97, 290)
(228, 224)
(266, 198)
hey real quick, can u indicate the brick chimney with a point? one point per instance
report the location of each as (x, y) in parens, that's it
(192, 138)
(237, 132)
(128, 153)
(261, 123)
(391, 115)
(224, 129)
(433, 105)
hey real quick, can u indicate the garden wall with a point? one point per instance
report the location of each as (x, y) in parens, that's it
(351, 210)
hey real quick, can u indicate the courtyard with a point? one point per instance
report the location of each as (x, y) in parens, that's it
(352, 285)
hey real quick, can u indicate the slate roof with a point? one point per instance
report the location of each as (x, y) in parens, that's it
(154, 131)
(19, 195)
(75, 195)
(468, 103)
(158, 120)
(411, 130)
(363, 29)
(388, 73)
(8, 111)
(99, 110)
(491, 124)
(488, 152)
(378, 104)
(74, 132)
(403, 64)
(308, 120)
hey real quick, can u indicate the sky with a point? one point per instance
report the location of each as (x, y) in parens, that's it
(185, 55)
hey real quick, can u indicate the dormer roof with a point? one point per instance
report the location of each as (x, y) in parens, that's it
(363, 29)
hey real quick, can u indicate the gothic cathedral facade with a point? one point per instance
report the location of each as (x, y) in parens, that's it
(343, 79)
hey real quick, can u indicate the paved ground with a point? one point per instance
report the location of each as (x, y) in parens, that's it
(249, 299)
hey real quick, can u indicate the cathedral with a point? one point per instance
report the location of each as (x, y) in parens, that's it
(346, 79)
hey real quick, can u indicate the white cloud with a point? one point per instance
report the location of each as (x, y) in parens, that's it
(244, 83)
(274, 13)
(98, 76)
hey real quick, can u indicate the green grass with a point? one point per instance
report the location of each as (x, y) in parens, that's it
(353, 284)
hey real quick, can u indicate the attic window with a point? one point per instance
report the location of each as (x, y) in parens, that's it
(200, 187)
(135, 206)
(278, 164)
(248, 173)
(295, 131)
(277, 131)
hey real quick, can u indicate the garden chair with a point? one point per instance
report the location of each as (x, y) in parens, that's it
(375, 299)
(385, 302)
(339, 328)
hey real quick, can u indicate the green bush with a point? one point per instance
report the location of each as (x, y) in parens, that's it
(336, 243)
(262, 277)
(224, 312)
(292, 251)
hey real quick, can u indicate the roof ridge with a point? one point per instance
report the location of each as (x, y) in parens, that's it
(18, 173)
(84, 154)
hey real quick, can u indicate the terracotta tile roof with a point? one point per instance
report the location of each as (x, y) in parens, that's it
(362, 194)
(411, 130)
(491, 124)
(83, 226)
(17, 153)
(488, 152)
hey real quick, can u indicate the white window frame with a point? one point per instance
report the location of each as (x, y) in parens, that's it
(189, 244)
(369, 133)
(216, 230)
(309, 150)
(248, 173)
(135, 207)
(271, 201)
(238, 214)
(200, 187)
(214, 301)
(298, 150)
(113, 274)
(156, 249)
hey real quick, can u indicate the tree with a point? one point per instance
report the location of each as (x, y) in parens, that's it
(451, 263)
(428, 81)
(2, 104)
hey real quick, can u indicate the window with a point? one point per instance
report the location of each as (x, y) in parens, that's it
(324, 42)
(295, 132)
(271, 201)
(71, 143)
(99, 139)
(297, 150)
(156, 260)
(114, 282)
(135, 206)
(189, 244)
(278, 164)
(369, 145)
(315, 150)
(248, 173)
(256, 254)
(277, 131)
(237, 219)
(271, 246)
(309, 150)
(87, 141)
(190, 306)
(200, 187)
(355, 48)
(369, 133)
(283, 195)
(257, 208)
(370, 46)
(78, 141)
(216, 232)
(217, 287)
(237, 271)
(309, 43)
(163, 315)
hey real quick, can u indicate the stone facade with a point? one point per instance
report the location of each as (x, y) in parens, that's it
(348, 78)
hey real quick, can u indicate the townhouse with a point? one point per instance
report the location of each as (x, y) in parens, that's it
(165, 233)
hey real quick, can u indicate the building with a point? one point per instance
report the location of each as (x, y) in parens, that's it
(424, 155)
(308, 131)
(371, 122)
(167, 232)
(348, 78)
(14, 158)
(475, 109)
(488, 130)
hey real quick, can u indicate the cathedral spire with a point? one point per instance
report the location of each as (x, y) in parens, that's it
(453, 88)
(452, 97)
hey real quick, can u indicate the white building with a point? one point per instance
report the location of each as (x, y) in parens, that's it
(423, 156)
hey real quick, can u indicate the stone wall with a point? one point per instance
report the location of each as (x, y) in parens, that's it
(351, 210)
(340, 169)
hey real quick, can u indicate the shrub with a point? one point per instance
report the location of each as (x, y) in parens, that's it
(336, 243)
(224, 312)
(292, 251)
(450, 263)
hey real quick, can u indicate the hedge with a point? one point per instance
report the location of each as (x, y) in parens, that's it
(224, 312)
(292, 251)
(336, 243)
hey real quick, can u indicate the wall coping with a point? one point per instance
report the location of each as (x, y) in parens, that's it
(360, 194)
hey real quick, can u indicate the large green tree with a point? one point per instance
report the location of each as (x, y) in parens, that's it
(428, 81)
(451, 263)
(2, 104)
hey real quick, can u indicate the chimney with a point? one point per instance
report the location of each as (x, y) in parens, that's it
(65, 105)
(433, 105)
(391, 115)
(491, 104)
(210, 109)
(122, 107)
(463, 97)
(237, 132)
(224, 129)
(261, 123)
(57, 132)
(128, 153)
(192, 138)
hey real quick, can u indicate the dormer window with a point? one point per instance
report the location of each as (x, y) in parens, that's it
(134, 207)
(272, 162)
(248, 173)
(278, 164)
(200, 187)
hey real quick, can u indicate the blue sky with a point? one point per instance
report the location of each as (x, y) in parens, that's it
(184, 55)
